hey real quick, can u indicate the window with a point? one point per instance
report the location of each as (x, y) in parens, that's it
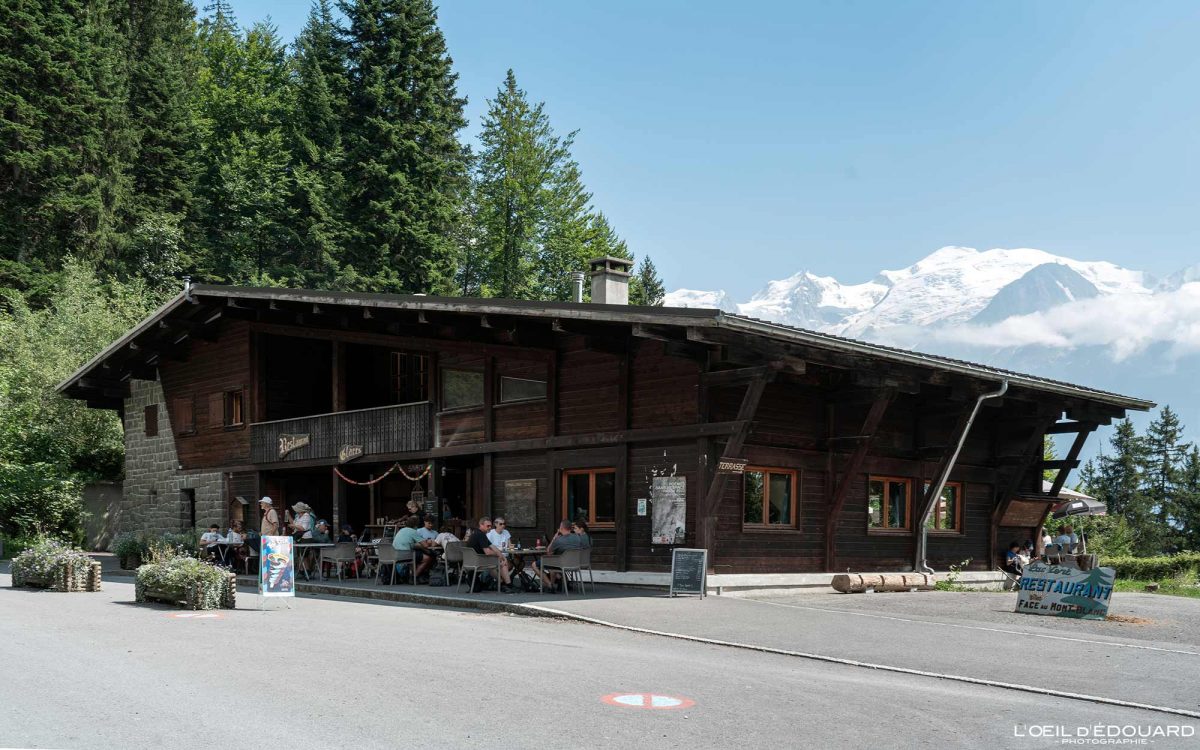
(521, 389)
(590, 494)
(768, 497)
(185, 416)
(410, 378)
(947, 510)
(887, 503)
(234, 415)
(461, 389)
(151, 420)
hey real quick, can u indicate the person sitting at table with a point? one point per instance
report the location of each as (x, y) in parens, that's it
(346, 534)
(302, 525)
(446, 536)
(427, 531)
(1012, 559)
(564, 539)
(482, 545)
(1067, 539)
(236, 534)
(409, 539)
(210, 537)
(580, 529)
(320, 534)
(500, 536)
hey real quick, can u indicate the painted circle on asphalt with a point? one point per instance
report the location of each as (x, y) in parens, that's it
(196, 615)
(647, 700)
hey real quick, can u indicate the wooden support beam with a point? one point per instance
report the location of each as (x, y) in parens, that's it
(1070, 428)
(1060, 465)
(1009, 480)
(850, 470)
(706, 517)
(717, 378)
(1072, 459)
(643, 331)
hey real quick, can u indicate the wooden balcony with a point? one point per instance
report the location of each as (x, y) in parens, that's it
(386, 429)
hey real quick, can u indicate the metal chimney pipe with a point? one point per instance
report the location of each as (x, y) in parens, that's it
(577, 280)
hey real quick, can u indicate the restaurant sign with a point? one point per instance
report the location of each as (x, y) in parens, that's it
(289, 442)
(1064, 591)
(728, 465)
(349, 452)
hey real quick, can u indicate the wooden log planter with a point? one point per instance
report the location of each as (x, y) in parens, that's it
(195, 595)
(67, 578)
(856, 583)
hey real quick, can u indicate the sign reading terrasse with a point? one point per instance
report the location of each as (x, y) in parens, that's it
(727, 465)
(349, 452)
(289, 443)
(1064, 591)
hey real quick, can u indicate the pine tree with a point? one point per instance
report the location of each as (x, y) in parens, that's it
(647, 288)
(1164, 451)
(1189, 500)
(406, 170)
(1118, 482)
(67, 139)
(243, 182)
(160, 56)
(317, 153)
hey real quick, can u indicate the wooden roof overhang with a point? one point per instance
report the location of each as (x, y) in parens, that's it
(734, 346)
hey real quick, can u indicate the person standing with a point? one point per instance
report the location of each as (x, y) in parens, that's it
(304, 522)
(270, 519)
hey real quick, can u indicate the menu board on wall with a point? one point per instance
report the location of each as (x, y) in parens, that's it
(668, 498)
(520, 502)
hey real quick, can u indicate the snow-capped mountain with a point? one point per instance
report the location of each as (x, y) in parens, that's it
(1088, 322)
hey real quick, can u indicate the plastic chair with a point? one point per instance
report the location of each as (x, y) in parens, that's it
(391, 556)
(566, 562)
(343, 553)
(475, 562)
(585, 563)
(452, 557)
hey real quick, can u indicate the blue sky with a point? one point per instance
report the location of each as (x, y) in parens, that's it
(738, 142)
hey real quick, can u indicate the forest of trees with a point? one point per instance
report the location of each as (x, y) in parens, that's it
(1151, 484)
(141, 142)
(152, 142)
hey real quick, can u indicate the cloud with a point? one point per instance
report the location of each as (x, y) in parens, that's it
(1125, 324)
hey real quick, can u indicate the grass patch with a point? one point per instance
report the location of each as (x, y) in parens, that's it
(1183, 585)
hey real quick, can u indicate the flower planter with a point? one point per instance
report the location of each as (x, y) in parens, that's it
(195, 595)
(69, 579)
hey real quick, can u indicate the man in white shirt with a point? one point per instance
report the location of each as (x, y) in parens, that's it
(212, 536)
(499, 536)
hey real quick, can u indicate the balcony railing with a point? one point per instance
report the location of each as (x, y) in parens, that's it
(386, 429)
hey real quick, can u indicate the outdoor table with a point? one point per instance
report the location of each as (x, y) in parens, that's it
(221, 551)
(519, 559)
(302, 548)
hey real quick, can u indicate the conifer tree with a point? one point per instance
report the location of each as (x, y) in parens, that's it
(1118, 482)
(646, 287)
(1189, 500)
(406, 170)
(67, 141)
(1164, 451)
(317, 152)
(242, 185)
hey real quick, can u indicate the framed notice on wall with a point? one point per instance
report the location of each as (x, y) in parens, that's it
(668, 499)
(520, 502)
(276, 566)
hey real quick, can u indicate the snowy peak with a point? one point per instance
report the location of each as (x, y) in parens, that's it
(717, 300)
(1042, 288)
(812, 301)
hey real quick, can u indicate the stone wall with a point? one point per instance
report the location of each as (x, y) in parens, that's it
(154, 498)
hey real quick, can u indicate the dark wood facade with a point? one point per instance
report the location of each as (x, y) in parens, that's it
(500, 397)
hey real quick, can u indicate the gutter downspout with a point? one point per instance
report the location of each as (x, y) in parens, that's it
(920, 564)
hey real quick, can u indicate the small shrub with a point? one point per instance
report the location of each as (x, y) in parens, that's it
(951, 581)
(50, 560)
(15, 545)
(1154, 568)
(130, 544)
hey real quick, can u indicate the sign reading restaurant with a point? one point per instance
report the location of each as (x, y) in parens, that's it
(1063, 591)
(289, 443)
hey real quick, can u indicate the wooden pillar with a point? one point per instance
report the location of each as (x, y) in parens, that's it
(621, 480)
(338, 380)
(340, 511)
(489, 400)
(487, 485)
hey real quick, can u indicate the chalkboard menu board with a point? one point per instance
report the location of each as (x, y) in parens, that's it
(688, 571)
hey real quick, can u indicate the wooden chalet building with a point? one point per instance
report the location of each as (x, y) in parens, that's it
(622, 414)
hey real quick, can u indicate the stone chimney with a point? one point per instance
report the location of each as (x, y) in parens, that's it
(610, 280)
